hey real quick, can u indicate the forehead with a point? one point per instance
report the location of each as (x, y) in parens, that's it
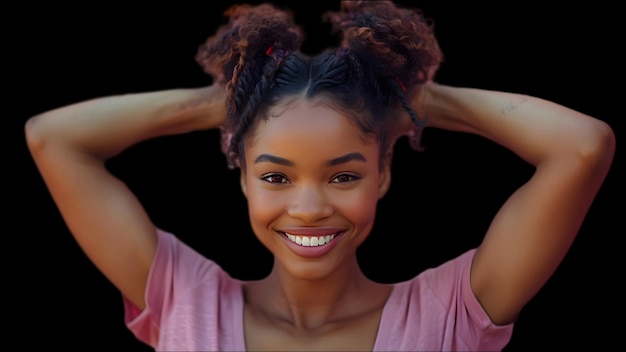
(308, 117)
(308, 126)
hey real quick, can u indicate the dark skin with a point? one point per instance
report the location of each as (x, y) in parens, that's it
(313, 302)
(523, 246)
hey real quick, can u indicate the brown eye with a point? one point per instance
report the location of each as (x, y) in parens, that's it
(344, 178)
(274, 178)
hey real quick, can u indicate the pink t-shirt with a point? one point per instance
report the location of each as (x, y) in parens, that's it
(193, 305)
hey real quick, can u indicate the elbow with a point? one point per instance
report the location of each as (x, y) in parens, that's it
(34, 133)
(597, 147)
(40, 130)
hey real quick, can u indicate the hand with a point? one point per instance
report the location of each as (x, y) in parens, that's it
(404, 125)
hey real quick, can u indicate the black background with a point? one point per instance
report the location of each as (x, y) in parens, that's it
(439, 205)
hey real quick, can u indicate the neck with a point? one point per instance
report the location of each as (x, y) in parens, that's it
(313, 301)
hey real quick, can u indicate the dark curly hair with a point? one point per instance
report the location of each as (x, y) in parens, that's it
(386, 52)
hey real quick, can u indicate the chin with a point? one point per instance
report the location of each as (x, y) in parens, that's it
(319, 269)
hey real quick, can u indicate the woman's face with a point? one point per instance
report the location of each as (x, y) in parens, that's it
(312, 180)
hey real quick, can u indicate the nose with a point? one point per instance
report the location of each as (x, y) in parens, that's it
(310, 204)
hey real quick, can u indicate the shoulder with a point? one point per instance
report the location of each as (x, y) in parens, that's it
(182, 266)
(441, 283)
(172, 251)
(185, 296)
(441, 296)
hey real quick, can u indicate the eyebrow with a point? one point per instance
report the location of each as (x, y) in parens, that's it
(346, 159)
(268, 158)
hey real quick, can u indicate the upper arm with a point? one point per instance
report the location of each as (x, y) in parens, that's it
(103, 215)
(534, 229)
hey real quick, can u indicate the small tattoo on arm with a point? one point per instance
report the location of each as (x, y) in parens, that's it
(512, 105)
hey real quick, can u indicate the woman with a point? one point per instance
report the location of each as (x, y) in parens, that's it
(313, 138)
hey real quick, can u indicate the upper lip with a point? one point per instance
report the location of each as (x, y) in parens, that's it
(311, 231)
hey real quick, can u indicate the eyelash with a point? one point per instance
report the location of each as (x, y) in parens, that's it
(267, 178)
(351, 176)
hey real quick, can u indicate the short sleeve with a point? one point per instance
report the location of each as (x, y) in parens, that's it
(437, 310)
(191, 303)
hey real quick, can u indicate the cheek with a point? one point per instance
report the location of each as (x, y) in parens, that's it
(359, 205)
(265, 205)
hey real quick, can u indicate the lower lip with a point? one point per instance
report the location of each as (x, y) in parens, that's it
(311, 252)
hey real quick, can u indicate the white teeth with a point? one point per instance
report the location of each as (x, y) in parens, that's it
(310, 241)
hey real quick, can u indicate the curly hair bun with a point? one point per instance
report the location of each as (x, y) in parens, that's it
(397, 42)
(250, 31)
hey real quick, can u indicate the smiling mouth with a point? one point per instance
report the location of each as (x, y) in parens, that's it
(310, 241)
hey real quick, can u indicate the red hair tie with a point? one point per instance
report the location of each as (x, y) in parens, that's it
(269, 50)
(401, 84)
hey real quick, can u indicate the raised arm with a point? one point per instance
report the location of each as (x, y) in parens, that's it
(532, 232)
(70, 146)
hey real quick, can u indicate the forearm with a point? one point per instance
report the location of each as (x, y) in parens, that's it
(106, 126)
(535, 129)
(535, 227)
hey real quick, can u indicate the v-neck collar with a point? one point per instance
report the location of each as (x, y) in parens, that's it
(239, 341)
